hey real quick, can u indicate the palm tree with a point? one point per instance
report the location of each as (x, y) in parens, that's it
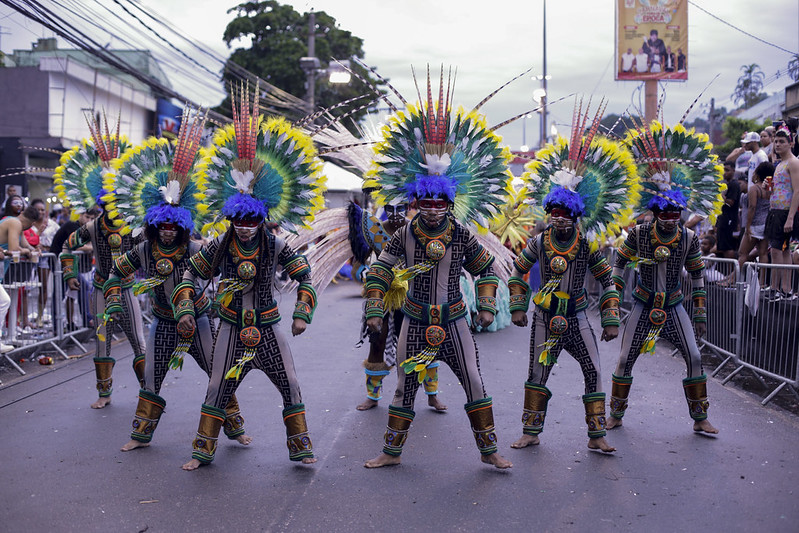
(750, 83)
(793, 68)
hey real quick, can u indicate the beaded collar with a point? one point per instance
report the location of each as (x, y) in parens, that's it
(656, 239)
(161, 251)
(568, 250)
(436, 242)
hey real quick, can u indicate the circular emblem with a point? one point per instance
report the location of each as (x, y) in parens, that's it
(662, 253)
(164, 266)
(246, 270)
(250, 336)
(657, 316)
(434, 335)
(558, 264)
(115, 240)
(435, 249)
(558, 325)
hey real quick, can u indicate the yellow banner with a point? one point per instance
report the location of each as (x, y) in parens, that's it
(652, 40)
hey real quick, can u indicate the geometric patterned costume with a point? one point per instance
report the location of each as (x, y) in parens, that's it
(565, 307)
(251, 314)
(678, 171)
(79, 184)
(658, 311)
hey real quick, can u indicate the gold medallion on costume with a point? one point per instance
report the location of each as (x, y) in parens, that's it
(657, 316)
(558, 325)
(435, 249)
(246, 270)
(558, 264)
(434, 335)
(115, 240)
(164, 267)
(662, 253)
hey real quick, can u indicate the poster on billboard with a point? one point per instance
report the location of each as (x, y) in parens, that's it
(652, 40)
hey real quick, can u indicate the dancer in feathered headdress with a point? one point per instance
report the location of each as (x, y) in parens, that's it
(154, 187)
(678, 171)
(256, 169)
(585, 184)
(455, 171)
(80, 185)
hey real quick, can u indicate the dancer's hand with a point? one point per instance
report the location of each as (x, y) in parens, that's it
(298, 326)
(73, 284)
(485, 318)
(700, 328)
(187, 323)
(374, 324)
(519, 318)
(610, 332)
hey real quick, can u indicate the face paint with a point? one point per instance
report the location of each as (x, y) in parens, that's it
(432, 210)
(396, 213)
(667, 221)
(246, 229)
(17, 204)
(167, 233)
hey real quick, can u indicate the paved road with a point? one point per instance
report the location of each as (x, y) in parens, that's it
(62, 470)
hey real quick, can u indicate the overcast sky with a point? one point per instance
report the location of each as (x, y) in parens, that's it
(491, 42)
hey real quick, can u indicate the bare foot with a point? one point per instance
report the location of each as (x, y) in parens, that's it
(432, 401)
(525, 441)
(497, 460)
(704, 426)
(308, 460)
(367, 404)
(244, 439)
(101, 402)
(612, 422)
(383, 459)
(133, 444)
(600, 444)
(194, 464)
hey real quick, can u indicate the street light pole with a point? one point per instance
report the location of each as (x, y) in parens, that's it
(544, 81)
(310, 95)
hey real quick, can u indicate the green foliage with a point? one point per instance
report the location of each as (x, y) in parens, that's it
(749, 87)
(279, 38)
(733, 129)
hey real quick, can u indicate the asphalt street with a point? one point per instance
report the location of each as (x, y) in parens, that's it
(62, 469)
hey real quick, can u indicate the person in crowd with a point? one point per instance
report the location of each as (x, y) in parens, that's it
(45, 228)
(782, 225)
(766, 139)
(11, 244)
(727, 221)
(754, 227)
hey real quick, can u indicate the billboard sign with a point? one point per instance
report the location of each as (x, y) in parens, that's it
(651, 40)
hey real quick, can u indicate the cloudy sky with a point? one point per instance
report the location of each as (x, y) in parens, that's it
(491, 42)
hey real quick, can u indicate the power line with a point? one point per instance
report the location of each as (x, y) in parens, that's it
(700, 8)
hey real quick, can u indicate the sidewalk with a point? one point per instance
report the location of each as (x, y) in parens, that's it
(63, 471)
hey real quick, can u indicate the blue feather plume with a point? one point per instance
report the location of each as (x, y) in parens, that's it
(672, 197)
(169, 214)
(244, 206)
(434, 186)
(564, 197)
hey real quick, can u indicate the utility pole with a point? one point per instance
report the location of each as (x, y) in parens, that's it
(544, 98)
(310, 64)
(711, 119)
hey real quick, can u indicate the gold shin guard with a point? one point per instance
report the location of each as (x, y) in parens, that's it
(595, 414)
(375, 372)
(211, 420)
(431, 379)
(234, 422)
(148, 413)
(297, 439)
(619, 394)
(536, 398)
(103, 368)
(696, 395)
(481, 416)
(399, 422)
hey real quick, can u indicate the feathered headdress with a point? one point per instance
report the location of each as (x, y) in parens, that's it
(677, 168)
(592, 177)
(154, 182)
(430, 150)
(79, 178)
(261, 168)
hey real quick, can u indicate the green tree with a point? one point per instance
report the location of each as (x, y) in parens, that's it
(733, 129)
(750, 83)
(279, 38)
